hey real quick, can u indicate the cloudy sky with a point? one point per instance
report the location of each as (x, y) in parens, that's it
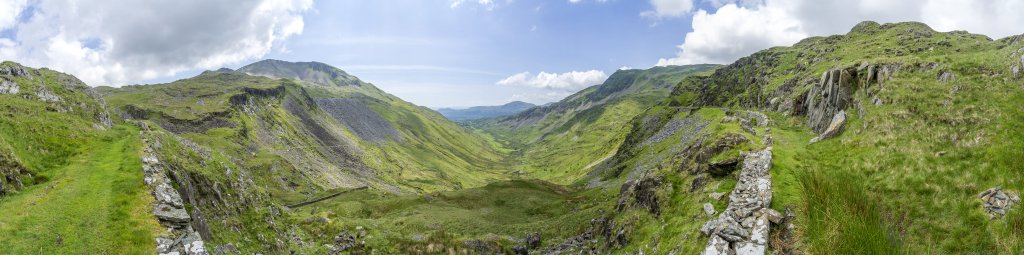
(442, 53)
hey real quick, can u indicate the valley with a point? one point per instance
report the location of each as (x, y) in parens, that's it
(883, 140)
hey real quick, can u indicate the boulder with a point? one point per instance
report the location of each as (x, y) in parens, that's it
(835, 127)
(724, 167)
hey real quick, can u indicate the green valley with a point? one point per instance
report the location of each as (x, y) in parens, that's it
(890, 139)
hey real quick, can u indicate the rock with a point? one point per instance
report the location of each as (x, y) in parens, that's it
(717, 246)
(227, 248)
(46, 95)
(533, 241)
(709, 209)
(709, 227)
(724, 167)
(193, 244)
(8, 87)
(996, 201)
(946, 77)
(1015, 70)
(171, 214)
(165, 194)
(716, 195)
(834, 128)
(772, 215)
(831, 95)
(520, 250)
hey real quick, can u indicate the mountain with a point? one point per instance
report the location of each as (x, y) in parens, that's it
(312, 72)
(561, 141)
(889, 139)
(483, 112)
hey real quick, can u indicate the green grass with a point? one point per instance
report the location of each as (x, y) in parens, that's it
(97, 204)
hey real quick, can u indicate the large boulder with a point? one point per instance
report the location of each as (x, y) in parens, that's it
(835, 127)
(832, 94)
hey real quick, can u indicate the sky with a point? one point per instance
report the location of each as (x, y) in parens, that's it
(445, 53)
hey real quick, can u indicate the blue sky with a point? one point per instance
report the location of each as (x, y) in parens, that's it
(445, 53)
(434, 55)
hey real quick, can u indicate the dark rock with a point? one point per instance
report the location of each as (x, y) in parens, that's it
(697, 183)
(533, 240)
(997, 201)
(640, 194)
(724, 167)
(520, 250)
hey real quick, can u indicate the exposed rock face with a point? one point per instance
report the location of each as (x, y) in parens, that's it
(743, 227)
(359, 118)
(835, 127)
(8, 87)
(46, 95)
(179, 236)
(997, 201)
(830, 96)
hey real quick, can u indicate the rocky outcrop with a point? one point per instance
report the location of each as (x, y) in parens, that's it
(44, 94)
(832, 94)
(835, 127)
(742, 228)
(946, 76)
(360, 119)
(998, 202)
(8, 87)
(179, 237)
(640, 194)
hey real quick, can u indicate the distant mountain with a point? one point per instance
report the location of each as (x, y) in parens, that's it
(313, 72)
(483, 112)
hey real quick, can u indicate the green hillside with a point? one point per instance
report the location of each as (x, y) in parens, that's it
(890, 139)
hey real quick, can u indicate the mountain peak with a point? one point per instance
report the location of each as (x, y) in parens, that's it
(312, 72)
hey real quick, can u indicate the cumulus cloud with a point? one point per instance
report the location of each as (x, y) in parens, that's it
(565, 81)
(487, 4)
(9, 14)
(113, 42)
(740, 28)
(669, 8)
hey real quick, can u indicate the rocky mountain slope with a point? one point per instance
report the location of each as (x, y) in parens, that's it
(890, 139)
(484, 112)
(560, 142)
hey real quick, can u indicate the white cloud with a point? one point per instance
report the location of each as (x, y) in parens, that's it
(566, 81)
(10, 11)
(740, 28)
(487, 4)
(114, 42)
(669, 8)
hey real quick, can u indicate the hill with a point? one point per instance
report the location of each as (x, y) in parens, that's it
(484, 112)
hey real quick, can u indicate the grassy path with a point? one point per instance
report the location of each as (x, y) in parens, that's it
(97, 204)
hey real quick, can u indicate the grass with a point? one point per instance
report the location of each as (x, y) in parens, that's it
(96, 204)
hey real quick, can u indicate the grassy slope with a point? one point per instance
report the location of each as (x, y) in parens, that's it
(95, 204)
(903, 178)
(568, 140)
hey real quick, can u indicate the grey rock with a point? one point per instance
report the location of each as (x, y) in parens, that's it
(772, 215)
(8, 87)
(1015, 70)
(835, 127)
(46, 95)
(831, 95)
(996, 201)
(947, 76)
(171, 214)
(165, 194)
(716, 195)
(709, 209)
